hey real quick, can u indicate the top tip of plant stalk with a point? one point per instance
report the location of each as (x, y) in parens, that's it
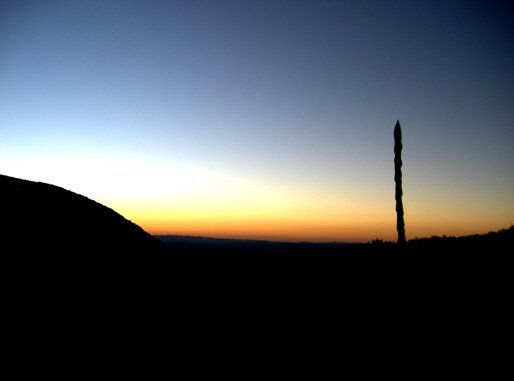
(397, 129)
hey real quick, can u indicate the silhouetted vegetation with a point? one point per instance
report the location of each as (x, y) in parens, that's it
(400, 225)
(491, 242)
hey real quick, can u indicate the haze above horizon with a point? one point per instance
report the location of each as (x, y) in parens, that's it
(266, 119)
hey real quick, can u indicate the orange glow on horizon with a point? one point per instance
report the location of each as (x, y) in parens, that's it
(297, 231)
(204, 201)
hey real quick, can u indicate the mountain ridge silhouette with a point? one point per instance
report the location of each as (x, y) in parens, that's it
(42, 218)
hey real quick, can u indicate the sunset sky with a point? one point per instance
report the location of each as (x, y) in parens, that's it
(266, 119)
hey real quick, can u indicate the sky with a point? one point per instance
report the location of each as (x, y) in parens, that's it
(266, 119)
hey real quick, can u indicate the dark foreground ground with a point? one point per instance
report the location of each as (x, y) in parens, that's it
(470, 259)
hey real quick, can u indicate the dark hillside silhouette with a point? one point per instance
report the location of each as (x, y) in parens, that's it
(39, 220)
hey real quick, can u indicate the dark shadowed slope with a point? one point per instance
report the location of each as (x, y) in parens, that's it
(41, 220)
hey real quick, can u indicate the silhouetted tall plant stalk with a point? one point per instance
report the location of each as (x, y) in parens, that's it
(400, 224)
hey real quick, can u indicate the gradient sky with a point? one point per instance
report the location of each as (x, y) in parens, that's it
(265, 119)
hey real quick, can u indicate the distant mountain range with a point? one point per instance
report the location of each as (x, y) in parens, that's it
(191, 244)
(494, 241)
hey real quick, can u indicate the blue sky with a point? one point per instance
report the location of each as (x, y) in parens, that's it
(299, 94)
